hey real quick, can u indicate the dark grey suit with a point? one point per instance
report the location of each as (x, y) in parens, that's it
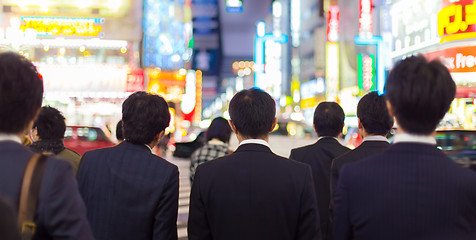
(366, 149)
(8, 222)
(253, 194)
(410, 191)
(319, 156)
(60, 212)
(130, 193)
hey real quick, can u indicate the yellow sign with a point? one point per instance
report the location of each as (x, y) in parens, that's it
(456, 22)
(308, 103)
(54, 26)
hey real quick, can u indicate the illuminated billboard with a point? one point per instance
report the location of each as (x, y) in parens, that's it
(457, 20)
(164, 34)
(63, 26)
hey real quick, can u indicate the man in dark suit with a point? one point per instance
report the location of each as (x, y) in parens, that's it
(328, 123)
(8, 222)
(411, 190)
(253, 193)
(374, 125)
(130, 192)
(60, 212)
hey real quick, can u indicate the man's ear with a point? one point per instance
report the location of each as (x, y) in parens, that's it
(232, 127)
(360, 126)
(159, 136)
(274, 124)
(390, 108)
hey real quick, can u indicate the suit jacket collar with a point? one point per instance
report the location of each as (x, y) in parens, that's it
(253, 147)
(369, 143)
(139, 147)
(327, 140)
(11, 145)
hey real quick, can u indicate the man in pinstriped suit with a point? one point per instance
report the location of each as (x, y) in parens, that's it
(129, 192)
(411, 190)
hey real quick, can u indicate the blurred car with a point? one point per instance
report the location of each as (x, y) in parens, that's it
(288, 134)
(82, 138)
(459, 145)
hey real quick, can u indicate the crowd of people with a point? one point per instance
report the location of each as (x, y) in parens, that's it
(405, 190)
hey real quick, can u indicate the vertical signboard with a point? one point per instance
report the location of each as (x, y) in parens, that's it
(206, 52)
(366, 71)
(332, 53)
(333, 24)
(365, 19)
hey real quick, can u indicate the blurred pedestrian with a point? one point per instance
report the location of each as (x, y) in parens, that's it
(328, 123)
(60, 211)
(374, 123)
(412, 190)
(218, 136)
(130, 192)
(253, 193)
(48, 134)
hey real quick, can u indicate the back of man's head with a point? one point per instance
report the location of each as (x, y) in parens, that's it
(50, 124)
(21, 93)
(328, 119)
(420, 93)
(144, 115)
(373, 114)
(253, 112)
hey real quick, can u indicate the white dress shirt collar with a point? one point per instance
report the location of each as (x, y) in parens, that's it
(319, 138)
(406, 137)
(147, 145)
(255, 141)
(10, 137)
(375, 138)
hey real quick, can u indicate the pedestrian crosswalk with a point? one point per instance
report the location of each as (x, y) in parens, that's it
(184, 195)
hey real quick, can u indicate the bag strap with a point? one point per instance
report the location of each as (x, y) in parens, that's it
(29, 194)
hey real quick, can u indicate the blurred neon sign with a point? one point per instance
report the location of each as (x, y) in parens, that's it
(365, 18)
(457, 21)
(333, 24)
(366, 71)
(54, 26)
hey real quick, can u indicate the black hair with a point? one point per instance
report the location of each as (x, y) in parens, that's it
(144, 115)
(252, 111)
(373, 114)
(420, 93)
(119, 131)
(50, 124)
(328, 119)
(219, 129)
(21, 92)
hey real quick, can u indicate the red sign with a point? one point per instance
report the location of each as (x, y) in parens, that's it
(365, 19)
(333, 24)
(456, 59)
(135, 81)
(465, 92)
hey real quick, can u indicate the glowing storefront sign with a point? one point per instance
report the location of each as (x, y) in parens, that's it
(366, 71)
(333, 24)
(65, 26)
(456, 59)
(457, 21)
(365, 19)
